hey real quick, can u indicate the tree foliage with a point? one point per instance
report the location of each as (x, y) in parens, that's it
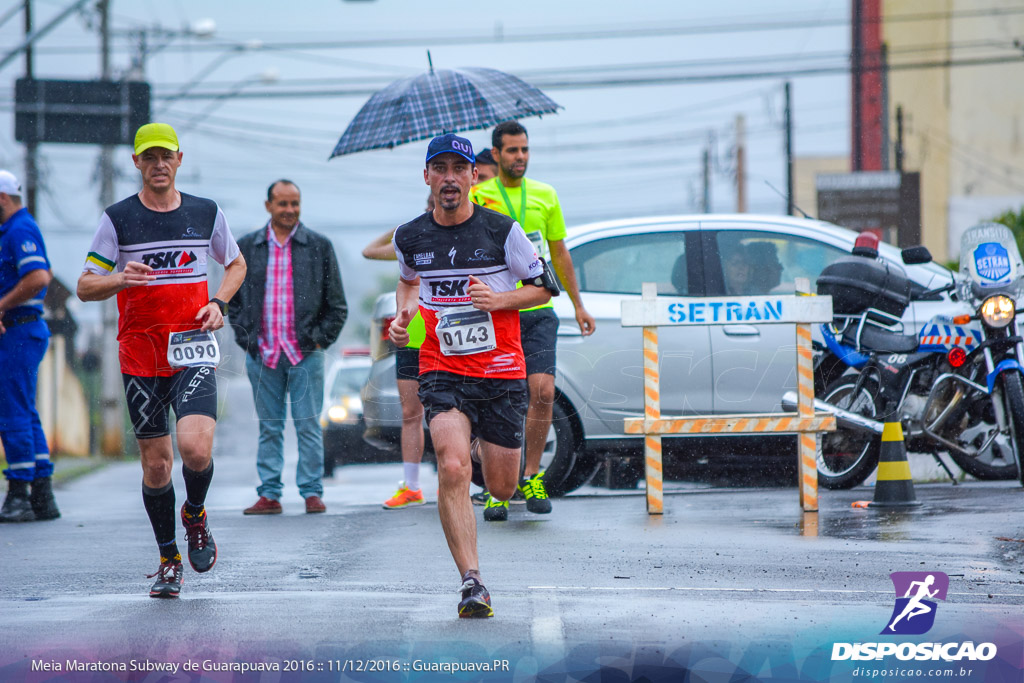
(1014, 220)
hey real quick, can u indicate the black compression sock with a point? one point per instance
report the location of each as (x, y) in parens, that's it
(196, 486)
(160, 508)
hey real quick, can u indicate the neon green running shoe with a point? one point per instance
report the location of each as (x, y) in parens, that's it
(536, 495)
(495, 510)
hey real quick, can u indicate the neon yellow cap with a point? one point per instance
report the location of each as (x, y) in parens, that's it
(155, 135)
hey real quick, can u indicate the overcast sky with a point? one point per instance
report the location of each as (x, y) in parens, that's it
(613, 151)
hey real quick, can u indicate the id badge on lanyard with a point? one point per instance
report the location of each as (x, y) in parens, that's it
(465, 330)
(192, 348)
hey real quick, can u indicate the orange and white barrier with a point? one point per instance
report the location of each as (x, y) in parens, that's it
(650, 312)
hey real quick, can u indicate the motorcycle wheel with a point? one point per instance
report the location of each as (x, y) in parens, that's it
(847, 457)
(1013, 396)
(996, 462)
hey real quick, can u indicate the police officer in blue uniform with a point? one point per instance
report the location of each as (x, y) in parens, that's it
(24, 275)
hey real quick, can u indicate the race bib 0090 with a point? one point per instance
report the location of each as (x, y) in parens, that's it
(464, 330)
(192, 348)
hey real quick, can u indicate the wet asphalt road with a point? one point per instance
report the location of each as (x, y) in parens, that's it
(724, 578)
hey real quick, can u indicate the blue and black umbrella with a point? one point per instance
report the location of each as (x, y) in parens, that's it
(438, 102)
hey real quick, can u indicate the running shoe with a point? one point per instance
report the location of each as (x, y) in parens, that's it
(169, 578)
(202, 551)
(404, 497)
(480, 498)
(495, 510)
(476, 601)
(536, 495)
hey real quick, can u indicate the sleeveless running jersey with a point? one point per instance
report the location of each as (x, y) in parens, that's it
(489, 246)
(177, 244)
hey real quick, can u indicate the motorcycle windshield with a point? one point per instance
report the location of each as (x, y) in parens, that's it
(990, 261)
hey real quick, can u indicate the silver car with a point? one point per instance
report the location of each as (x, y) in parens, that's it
(741, 368)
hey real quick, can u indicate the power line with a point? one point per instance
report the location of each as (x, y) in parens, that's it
(756, 60)
(614, 33)
(635, 81)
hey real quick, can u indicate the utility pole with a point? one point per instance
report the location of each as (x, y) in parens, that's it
(789, 150)
(883, 122)
(857, 69)
(899, 138)
(31, 148)
(741, 164)
(112, 419)
(705, 204)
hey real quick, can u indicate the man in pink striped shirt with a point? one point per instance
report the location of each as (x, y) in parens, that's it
(288, 310)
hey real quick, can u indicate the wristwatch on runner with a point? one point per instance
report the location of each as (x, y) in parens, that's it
(221, 305)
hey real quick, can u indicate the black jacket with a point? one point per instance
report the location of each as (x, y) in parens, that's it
(320, 308)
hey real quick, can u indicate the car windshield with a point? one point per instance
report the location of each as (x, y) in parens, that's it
(349, 380)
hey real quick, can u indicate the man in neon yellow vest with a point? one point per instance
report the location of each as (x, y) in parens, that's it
(534, 205)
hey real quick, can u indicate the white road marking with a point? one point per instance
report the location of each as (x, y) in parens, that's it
(702, 589)
(546, 630)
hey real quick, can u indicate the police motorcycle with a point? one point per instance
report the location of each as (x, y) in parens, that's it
(956, 386)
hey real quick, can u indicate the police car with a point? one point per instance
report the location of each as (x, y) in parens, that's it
(741, 367)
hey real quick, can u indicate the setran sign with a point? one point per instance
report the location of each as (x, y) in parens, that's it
(79, 112)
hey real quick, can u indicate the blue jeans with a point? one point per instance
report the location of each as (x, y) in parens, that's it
(302, 386)
(22, 348)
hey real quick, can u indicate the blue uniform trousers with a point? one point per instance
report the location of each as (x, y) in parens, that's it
(22, 348)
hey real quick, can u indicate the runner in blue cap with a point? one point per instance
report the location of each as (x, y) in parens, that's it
(459, 266)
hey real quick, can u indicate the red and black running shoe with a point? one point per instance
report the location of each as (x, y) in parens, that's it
(202, 550)
(476, 601)
(168, 584)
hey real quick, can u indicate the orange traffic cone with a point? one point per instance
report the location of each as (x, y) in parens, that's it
(894, 487)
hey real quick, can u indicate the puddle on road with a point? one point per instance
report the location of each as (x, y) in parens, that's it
(861, 525)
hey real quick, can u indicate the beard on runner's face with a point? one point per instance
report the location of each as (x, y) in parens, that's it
(449, 195)
(514, 169)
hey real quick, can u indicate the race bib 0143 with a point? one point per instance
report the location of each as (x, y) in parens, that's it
(464, 330)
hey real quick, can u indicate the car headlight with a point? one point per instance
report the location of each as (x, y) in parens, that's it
(347, 409)
(998, 311)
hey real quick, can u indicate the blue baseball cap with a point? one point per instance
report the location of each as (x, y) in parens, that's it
(450, 142)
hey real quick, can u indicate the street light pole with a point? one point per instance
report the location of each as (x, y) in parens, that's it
(31, 148)
(111, 415)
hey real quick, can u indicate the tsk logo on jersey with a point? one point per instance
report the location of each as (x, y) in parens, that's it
(160, 260)
(448, 288)
(914, 612)
(424, 259)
